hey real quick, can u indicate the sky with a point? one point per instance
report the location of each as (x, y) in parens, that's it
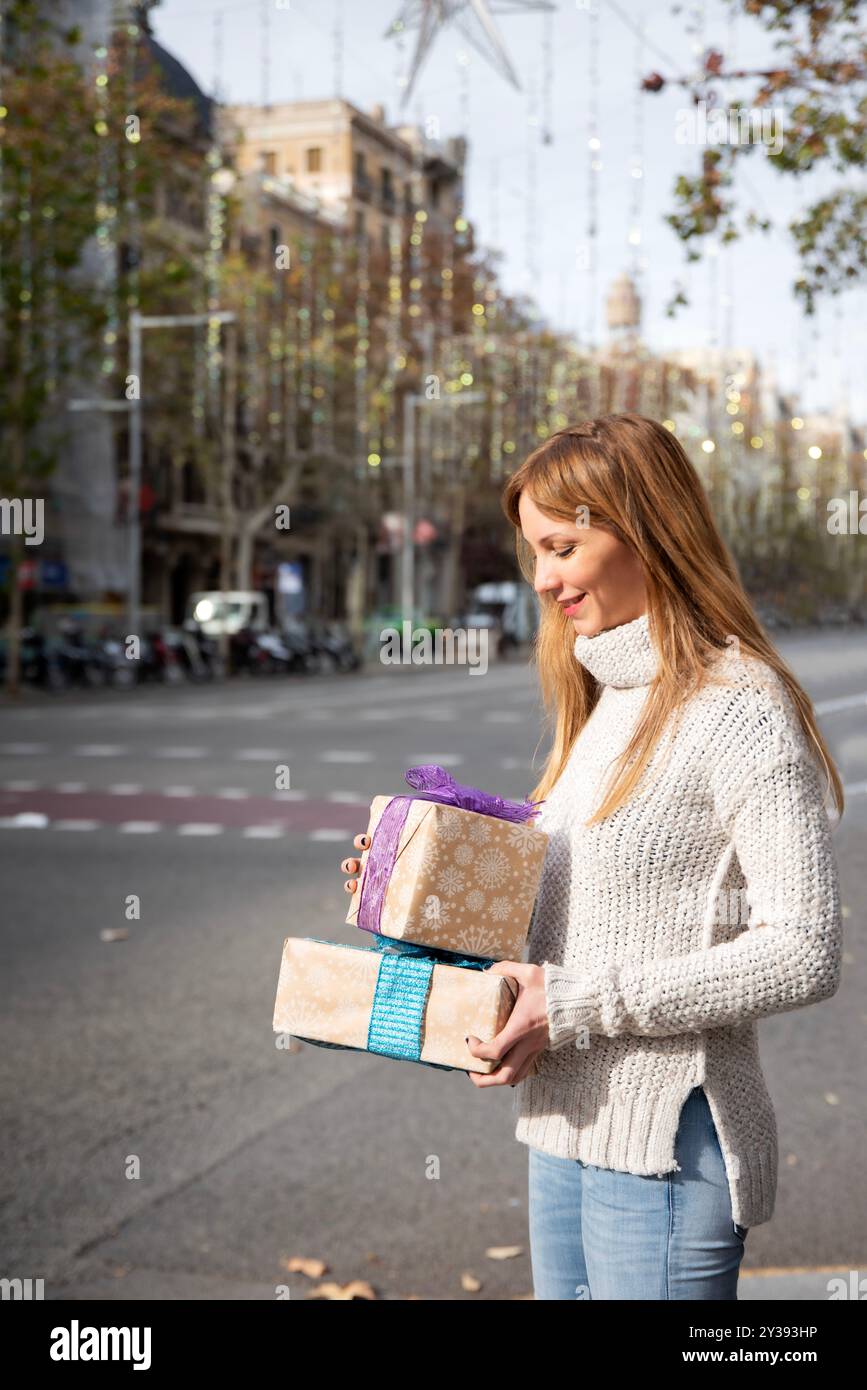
(527, 197)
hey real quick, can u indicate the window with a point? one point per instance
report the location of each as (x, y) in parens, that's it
(314, 159)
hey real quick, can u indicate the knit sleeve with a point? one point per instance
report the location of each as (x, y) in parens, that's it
(789, 955)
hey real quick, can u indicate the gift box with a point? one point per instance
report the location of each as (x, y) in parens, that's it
(442, 874)
(396, 1001)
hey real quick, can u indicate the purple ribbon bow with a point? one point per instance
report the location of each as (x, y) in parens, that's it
(432, 783)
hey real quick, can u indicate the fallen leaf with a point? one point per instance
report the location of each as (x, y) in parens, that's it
(504, 1252)
(470, 1283)
(356, 1288)
(298, 1264)
(113, 934)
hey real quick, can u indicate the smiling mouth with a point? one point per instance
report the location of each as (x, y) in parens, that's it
(573, 605)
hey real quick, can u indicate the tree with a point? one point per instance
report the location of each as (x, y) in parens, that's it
(64, 139)
(817, 94)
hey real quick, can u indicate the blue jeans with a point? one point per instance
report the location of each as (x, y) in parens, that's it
(598, 1233)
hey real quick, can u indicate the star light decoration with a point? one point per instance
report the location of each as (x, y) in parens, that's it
(474, 19)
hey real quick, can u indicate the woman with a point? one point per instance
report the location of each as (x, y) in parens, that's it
(689, 888)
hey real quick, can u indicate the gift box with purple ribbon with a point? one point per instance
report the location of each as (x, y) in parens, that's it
(450, 867)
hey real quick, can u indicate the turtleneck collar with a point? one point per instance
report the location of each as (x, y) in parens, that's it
(620, 656)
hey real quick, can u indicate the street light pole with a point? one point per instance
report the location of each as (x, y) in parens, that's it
(407, 572)
(133, 594)
(407, 578)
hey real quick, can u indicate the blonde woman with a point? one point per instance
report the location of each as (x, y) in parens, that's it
(689, 889)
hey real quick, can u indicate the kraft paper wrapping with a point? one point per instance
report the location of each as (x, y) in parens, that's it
(326, 991)
(462, 881)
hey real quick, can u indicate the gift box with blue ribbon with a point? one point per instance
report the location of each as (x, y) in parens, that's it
(397, 999)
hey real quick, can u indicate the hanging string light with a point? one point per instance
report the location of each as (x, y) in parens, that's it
(594, 149)
(533, 225)
(636, 167)
(106, 210)
(547, 134)
(216, 221)
(130, 167)
(2, 118)
(305, 338)
(364, 459)
(266, 53)
(338, 48)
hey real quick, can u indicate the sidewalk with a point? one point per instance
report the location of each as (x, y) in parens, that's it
(771, 1285)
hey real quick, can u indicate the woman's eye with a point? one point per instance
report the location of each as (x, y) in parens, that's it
(561, 554)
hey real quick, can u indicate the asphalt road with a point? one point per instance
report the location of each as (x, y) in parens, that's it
(156, 1144)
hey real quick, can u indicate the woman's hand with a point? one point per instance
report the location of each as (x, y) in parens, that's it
(525, 1035)
(352, 866)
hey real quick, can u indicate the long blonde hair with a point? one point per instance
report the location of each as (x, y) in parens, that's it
(634, 479)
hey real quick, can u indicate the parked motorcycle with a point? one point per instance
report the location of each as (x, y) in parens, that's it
(320, 648)
(159, 660)
(120, 671)
(259, 653)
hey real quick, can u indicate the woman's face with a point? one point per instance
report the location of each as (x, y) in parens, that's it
(572, 560)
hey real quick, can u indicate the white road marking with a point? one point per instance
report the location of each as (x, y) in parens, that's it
(347, 755)
(328, 834)
(855, 788)
(261, 755)
(21, 786)
(75, 825)
(139, 827)
(25, 820)
(263, 832)
(99, 750)
(126, 788)
(844, 702)
(200, 828)
(180, 752)
(444, 759)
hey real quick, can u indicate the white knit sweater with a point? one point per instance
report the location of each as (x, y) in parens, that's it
(709, 901)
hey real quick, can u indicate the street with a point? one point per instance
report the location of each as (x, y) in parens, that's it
(156, 1143)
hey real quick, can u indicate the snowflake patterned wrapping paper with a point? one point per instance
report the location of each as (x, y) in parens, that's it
(461, 881)
(326, 993)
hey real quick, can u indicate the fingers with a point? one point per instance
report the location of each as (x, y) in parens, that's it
(516, 1064)
(509, 1036)
(353, 866)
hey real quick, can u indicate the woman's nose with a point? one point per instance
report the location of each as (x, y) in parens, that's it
(544, 580)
